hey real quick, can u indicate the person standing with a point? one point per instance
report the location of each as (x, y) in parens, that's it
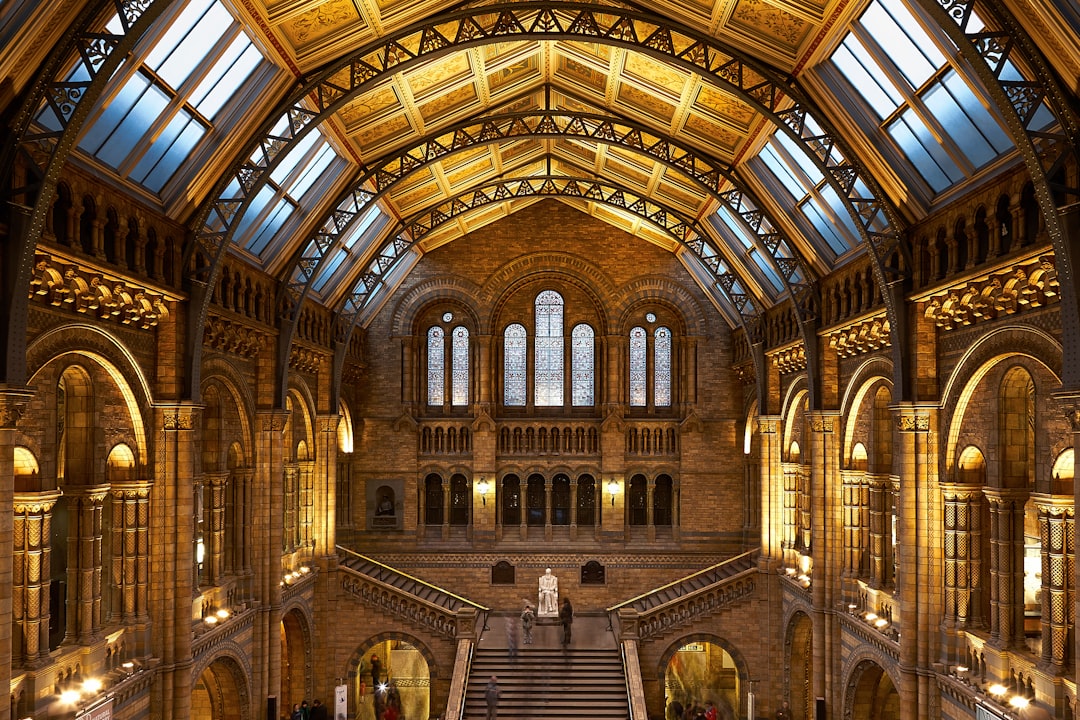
(566, 617)
(710, 710)
(528, 619)
(376, 672)
(784, 713)
(318, 711)
(491, 695)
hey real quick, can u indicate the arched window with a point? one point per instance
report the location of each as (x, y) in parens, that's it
(460, 362)
(433, 500)
(637, 501)
(586, 501)
(560, 500)
(662, 367)
(436, 366)
(514, 364)
(582, 372)
(548, 350)
(459, 500)
(639, 371)
(511, 500)
(537, 499)
(662, 501)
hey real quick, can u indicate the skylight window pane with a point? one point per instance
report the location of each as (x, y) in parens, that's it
(314, 170)
(974, 129)
(848, 230)
(767, 270)
(114, 114)
(294, 156)
(168, 152)
(360, 227)
(909, 47)
(230, 72)
(924, 151)
(866, 77)
(194, 48)
(825, 227)
(142, 117)
(177, 30)
(782, 172)
(270, 226)
(799, 156)
(736, 226)
(261, 201)
(329, 267)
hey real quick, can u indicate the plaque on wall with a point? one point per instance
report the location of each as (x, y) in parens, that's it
(503, 573)
(592, 573)
(384, 504)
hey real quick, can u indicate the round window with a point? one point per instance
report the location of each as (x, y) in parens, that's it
(650, 317)
(447, 316)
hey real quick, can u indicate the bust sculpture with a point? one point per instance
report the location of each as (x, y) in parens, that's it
(548, 602)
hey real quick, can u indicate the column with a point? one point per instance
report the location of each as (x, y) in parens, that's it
(31, 569)
(214, 485)
(446, 508)
(1058, 535)
(650, 491)
(1006, 565)
(547, 509)
(408, 374)
(881, 556)
(84, 563)
(676, 498)
(852, 484)
(792, 516)
(266, 526)
(824, 518)
(963, 539)
(573, 507)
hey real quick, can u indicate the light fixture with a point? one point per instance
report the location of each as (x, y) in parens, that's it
(482, 486)
(92, 685)
(1019, 702)
(997, 689)
(222, 614)
(70, 697)
(612, 488)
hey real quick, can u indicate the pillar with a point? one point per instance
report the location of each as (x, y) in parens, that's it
(214, 487)
(881, 551)
(1006, 565)
(962, 561)
(825, 521)
(1058, 535)
(326, 462)
(266, 525)
(84, 563)
(130, 555)
(31, 568)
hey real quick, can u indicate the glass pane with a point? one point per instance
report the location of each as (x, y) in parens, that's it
(114, 113)
(582, 366)
(781, 171)
(638, 367)
(435, 366)
(907, 45)
(514, 365)
(193, 49)
(282, 212)
(177, 30)
(549, 349)
(967, 121)
(824, 225)
(662, 367)
(229, 73)
(329, 267)
(313, 171)
(294, 155)
(924, 151)
(461, 366)
(866, 77)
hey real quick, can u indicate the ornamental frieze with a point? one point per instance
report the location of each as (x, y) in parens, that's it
(861, 337)
(789, 360)
(228, 336)
(1020, 287)
(61, 282)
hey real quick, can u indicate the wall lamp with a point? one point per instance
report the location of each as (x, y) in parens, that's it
(482, 486)
(612, 488)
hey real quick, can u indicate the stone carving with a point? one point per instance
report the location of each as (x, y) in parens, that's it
(547, 604)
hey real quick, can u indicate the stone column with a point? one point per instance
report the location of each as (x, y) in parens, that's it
(547, 509)
(919, 552)
(446, 508)
(84, 563)
(266, 525)
(881, 557)
(963, 540)
(31, 569)
(573, 507)
(324, 527)
(650, 493)
(130, 551)
(1006, 565)
(771, 484)
(792, 516)
(824, 522)
(408, 374)
(852, 485)
(214, 486)
(676, 498)
(421, 505)
(1057, 531)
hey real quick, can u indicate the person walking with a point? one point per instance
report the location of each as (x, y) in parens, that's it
(491, 695)
(566, 617)
(511, 638)
(376, 672)
(528, 619)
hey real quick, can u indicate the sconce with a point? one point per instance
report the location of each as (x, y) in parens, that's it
(482, 486)
(612, 488)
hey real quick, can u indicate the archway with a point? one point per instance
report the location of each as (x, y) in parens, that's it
(872, 694)
(295, 685)
(798, 655)
(699, 672)
(404, 680)
(219, 693)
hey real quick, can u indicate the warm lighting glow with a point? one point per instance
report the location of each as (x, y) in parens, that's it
(1019, 702)
(482, 486)
(92, 685)
(222, 614)
(961, 668)
(871, 617)
(200, 551)
(852, 606)
(997, 689)
(612, 488)
(69, 697)
(210, 620)
(304, 569)
(881, 622)
(128, 665)
(806, 563)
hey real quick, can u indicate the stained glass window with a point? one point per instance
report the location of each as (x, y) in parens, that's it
(662, 367)
(436, 366)
(582, 373)
(460, 362)
(639, 372)
(514, 364)
(548, 386)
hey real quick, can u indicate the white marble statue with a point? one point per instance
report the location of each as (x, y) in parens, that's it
(548, 603)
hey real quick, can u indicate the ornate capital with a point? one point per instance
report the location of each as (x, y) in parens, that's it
(328, 423)
(178, 417)
(910, 422)
(273, 420)
(13, 402)
(36, 502)
(766, 426)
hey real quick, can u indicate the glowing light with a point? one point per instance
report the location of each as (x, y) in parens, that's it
(92, 685)
(210, 620)
(870, 617)
(881, 622)
(961, 668)
(69, 697)
(1019, 702)
(222, 614)
(997, 689)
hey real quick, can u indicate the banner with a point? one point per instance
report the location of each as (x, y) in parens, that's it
(341, 702)
(102, 711)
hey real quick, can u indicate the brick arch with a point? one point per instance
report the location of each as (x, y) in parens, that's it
(579, 272)
(237, 660)
(859, 400)
(1009, 344)
(793, 625)
(664, 291)
(220, 371)
(741, 666)
(352, 664)
(300, 612)
(856, 664)
(413, 304)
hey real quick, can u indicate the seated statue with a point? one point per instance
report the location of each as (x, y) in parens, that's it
(548, 603)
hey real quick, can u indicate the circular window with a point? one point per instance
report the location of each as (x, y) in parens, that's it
(447, 316)
(650, 317)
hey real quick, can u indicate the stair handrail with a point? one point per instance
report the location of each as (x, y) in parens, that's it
(415, 579)
(712, 568)
(635, 687)
(459, 681)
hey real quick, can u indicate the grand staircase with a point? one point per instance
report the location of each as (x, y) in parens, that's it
(545, 681)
